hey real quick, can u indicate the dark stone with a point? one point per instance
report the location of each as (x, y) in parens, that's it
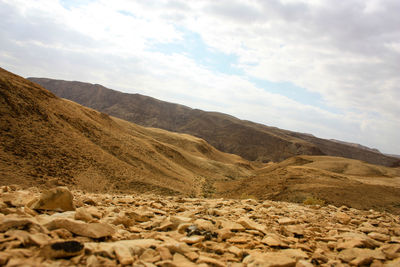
(68, 246)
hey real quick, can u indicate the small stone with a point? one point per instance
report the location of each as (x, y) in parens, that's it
(83, 215)
(251, 225)
(269, 259)
(342, 217)
(357, 256)
(304, 263)
(274, 241)
(286, 221)
(211, 261)
(180, 260)
(204, 224)
(62, 249)
(165, 254)
(235, 250)
(18, 198)
(140, 215)
(92, 230)
(192, 239)
(123, 254)
(58, 199)
(39, 239)
(231, 226)
(150, 255)
(379, 237)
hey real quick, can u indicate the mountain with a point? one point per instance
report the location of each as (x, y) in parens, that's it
(252, 141)
(46, 140)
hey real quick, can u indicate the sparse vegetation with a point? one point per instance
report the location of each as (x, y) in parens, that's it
(311, 201)
(244, 195)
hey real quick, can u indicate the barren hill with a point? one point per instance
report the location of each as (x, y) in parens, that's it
(250, 140)
(334, 180)
(46, 140)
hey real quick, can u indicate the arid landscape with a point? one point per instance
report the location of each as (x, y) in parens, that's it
(250, 140)
(150, 197)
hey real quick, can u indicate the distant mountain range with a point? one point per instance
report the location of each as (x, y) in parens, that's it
(252, 141)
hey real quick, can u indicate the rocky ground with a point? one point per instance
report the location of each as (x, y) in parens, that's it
(60, 228)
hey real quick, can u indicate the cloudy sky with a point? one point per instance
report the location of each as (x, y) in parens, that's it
(330, 68)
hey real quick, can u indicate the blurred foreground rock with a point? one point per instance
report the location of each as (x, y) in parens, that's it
(149, 230)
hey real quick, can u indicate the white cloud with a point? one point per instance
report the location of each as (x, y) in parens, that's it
(347, 51)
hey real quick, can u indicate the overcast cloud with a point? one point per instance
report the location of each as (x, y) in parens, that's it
(330, 68)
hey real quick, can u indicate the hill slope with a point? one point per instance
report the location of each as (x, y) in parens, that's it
(337, 181)
(250, 140)
(46, 140)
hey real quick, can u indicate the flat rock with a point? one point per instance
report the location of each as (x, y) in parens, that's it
(269, 259)
(92, 230)
(62, 249)
(58, 199)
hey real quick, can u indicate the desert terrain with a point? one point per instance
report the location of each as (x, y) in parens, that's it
(60, 228)
(252, 141)
(81, 187)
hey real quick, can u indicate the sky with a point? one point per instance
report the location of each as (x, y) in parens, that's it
(329, 68)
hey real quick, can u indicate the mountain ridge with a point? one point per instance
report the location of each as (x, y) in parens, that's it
(252, 141)
(46, 139)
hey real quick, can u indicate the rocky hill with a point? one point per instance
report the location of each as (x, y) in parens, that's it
(46, 140)
(330, 180)
(252, 141)
(84, 229)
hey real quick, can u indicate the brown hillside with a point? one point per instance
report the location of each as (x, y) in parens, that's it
(250, 140)
(46, 140)
(336, 181)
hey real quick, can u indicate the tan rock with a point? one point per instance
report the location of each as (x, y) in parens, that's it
(180, 260)
(251, 225)
(304, 263)
(210, 261)
(231, 226)
(83, 215)
(286, 221)
(294, 230)
(150, 255)
(164, 252)
(204, 224)
(39, 239)
(358, 256)
(391, 251)
(123, 254)
(192, 239)
(274, 241)
(342, 217)
(166, 225)
(93, 230)
(62, 249)
(269, 259)
(17, 198)
(14, 222)
(235, 250)
(393, 263)
(379, 236)
(140, 215)
(59, 199)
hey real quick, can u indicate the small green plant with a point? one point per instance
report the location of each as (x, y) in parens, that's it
(314, 201)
